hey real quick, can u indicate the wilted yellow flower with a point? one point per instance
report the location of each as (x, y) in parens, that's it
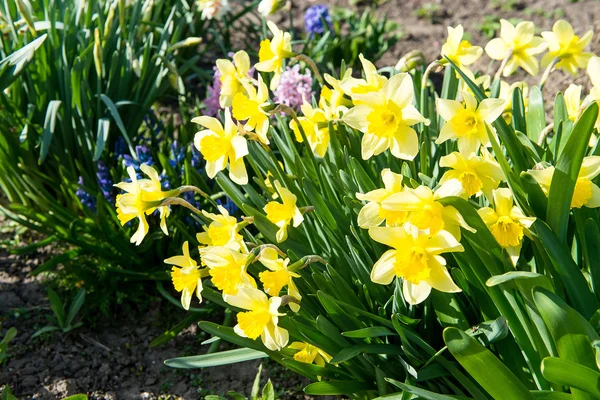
(426, 212)
(227, 268)
(566, 46)
(460, 51)
(222, 231)
(282, 214)
(261, 319)
(250, 107)
(586, 192)
(222, 145)
(416, 259)
(233, 76)
(307, 353)
(318, 137)
(142, 198)
(187, 279)
(373, 214)
(385, 117)
(519, 44)
(506, 222)
(278, 276)
(273, 52)
(372, 82)
(467, 123)
(476, 174)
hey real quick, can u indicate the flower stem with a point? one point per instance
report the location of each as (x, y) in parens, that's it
(179, 202)
(311, 64)
(547, 72)
(503, 64)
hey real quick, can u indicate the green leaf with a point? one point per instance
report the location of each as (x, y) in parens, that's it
(268, 393)
(45, 329)
(566, 172)
(101, 137)
(333, 388)
(573, 375)
(75, 306)
(374, 331)
(550, 395)
(9, 336)
(12, 66)
(77, 397)
(353, 351)
(421, 393)
(256, 384)
(569, 330)
(513, 275)
(112, 108)
(57, 307)
(49, 126)
(7, 394)
(215, 359)
(485, 367)
(576, 286)
(536, 115)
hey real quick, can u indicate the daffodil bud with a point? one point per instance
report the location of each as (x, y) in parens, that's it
(147, 10)
(26, 11)
(269, 7)
(109, 21)
(98, 52)
(191, 41)
(410, 61)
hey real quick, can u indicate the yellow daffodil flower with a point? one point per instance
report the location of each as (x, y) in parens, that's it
(519, 44)
(332, 100)
(186, 276)
(272, 53)
(307, 353)
(372, 82)
(460, 51)
(249, 107)
(567, 47)
(233, 76)
(282, 214)
(373, 214)
(261, 319)
(278, 276)
(227, 268)
(416, 259)
(506, 222)
(221, 145)
(426, 212)
(586, 192)
(476, 174)
(222, 231)
(142, 198)
(385, 117)
(318, 138)
(467, 123)
(593, 71)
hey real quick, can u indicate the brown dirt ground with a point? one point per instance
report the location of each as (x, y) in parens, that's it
(112, 361)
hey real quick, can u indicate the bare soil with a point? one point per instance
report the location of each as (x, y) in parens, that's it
(112, 360)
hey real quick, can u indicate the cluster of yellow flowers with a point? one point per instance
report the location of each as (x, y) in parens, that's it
(414, 221)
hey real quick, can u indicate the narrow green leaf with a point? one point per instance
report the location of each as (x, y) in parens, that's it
(566, 172)
(484, 367)
(101, 137)
(75, 306)
(572, 374)
(57, 307)
(49, 126)
(536, 115)
(215, 359)
(374, 331)
(333, 388)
